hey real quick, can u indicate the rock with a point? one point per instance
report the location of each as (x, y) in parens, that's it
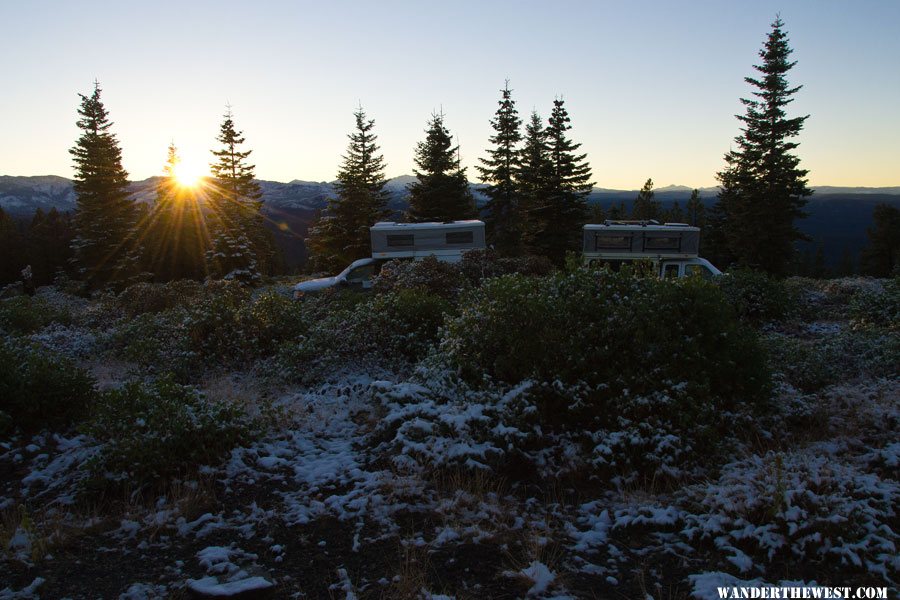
(12, 290)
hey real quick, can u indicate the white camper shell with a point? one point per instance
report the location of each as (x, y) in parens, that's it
(445, 241)
(672, 247)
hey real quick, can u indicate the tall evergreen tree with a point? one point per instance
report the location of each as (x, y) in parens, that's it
(561, 211)
(674, 214)
(49, 239)
(695, 212)
(105, 217)
(12, 250)
(498, 172)
(645, 207)
(531, 178)
(441, 191)
(881, 257)
(242, 248)
(340, 234)
(763, 190)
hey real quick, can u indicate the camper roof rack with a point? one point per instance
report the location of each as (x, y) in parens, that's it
(642, 223)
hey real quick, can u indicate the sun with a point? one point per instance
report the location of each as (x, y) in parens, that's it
(189, 173)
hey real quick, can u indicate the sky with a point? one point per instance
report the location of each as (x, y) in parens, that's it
(652, 87)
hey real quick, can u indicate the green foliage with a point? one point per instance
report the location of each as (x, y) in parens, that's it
(340, 234)
(813, 364)
(763, 190)
(878, 306)
(478, 265)
(22, 315)
(105, 216)
(195, 326)
(756, 296)
(392, 329)
(39, 389)
(441, 190)
(156, 297)
(621, 336)
(439, 278)
(154, 432)
(645, 207)
(242, 248)
(557, 207)
(881, 257)
(502, 218)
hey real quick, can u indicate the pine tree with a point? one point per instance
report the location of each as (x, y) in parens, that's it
(561, 210)
(49, 238)
(242, 248)
(881, 257)
(340, 234)
(105, 217)
(12, 255)
(695, 212)
(531, 178)
(645, 208)
(674, 214)
(498, 172)
(441, 192)
(763, 190)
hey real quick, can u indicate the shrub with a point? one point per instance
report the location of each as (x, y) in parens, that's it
(22, 315)
(156, 297)
(438, 278)
(813, 364)
(611, 351)
(757, 297)
(390, 329)
(878, 306)
(154, 432)
(40, 389)
(222, 324)
(478, 265)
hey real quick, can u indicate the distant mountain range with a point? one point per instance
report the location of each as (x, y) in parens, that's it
(838, 216)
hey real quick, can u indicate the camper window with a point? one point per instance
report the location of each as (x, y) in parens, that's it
(460, 237)
(612, 242)
(400, 239)
(662, 243)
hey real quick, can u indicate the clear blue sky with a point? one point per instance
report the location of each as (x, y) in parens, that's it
(652, 87)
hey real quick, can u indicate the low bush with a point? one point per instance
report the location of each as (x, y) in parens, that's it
(22, 315)
(757, 297)
(878, 306)
(478, 265)
(153, 432)
(156, 297)
(39, 389)
(390, 329)
(612, 352)
(438, 278)
(812, 364)
(223, 325)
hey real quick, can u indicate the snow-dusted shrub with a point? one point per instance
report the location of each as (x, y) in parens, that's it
(225, 328)
(438, 278)
(757, 297)
(40, 389)
(878, 306)
(812, 364)
(659, 373)
(806, 513)
(156, 297)
(390, 329)
(478, 265)
(25, 314)
(152, 432)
